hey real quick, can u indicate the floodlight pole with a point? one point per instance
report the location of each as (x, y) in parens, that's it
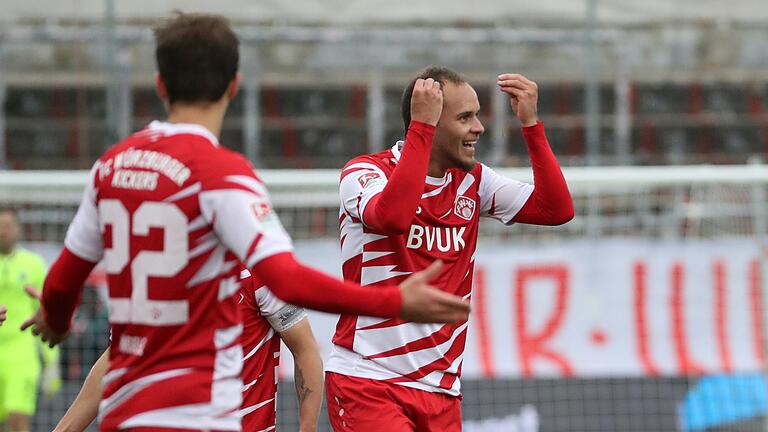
(592, 85)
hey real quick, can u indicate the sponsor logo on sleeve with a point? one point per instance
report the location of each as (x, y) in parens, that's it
(369, 179)
(261, 210)
(464, 208)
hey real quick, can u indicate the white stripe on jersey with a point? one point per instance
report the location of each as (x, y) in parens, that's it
(205, 243)
(196, 224)
(227, 336)
(249, 182)
(448, 180)
(247, 410)
(366, 321)
(114, 374)
(133, 387)
(388, 338)
(368, 256)
(228, 363)
(412, 361)
(261, 343)
(228, 287)
(352, 233)
(186, 192)
(212, 268)
(373, 274)
(223, 413)
(367, 166)
(469, 179)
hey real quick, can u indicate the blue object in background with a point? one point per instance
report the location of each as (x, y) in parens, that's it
(721, 399)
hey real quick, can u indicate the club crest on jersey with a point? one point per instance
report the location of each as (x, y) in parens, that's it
(368, 178)
(261, 210)
(464, 208)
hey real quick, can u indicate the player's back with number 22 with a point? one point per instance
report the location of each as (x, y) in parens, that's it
(156, 195)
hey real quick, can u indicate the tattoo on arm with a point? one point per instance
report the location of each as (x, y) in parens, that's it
(302, 391)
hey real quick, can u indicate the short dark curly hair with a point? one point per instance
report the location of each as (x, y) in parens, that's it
(197, 57)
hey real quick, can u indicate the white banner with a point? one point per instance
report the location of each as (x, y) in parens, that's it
(602, 308)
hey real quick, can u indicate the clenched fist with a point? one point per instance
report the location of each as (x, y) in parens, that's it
(426, 101)
(523, 96)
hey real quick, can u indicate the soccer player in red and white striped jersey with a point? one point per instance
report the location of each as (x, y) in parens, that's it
(267, 320)
(406, 207)
(174, 216)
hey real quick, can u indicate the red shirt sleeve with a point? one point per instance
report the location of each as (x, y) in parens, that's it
(551, 202)
(393, 209)
(300, 285)
(62, 288)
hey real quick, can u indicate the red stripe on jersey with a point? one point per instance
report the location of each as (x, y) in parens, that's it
(492, 210)
(254, 244)
(384, 324)
(349, 171)
(441, 336)
(230, 186)
(447, 381)
(481, 324)
(440, 364)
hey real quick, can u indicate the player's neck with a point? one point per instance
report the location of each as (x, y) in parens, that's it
(209, 116)
(436, 169)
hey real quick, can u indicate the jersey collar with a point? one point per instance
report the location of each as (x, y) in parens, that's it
(168, 129)
(397, 149)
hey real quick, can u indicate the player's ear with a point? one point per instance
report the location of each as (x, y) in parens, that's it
(234, 86)
(160, 88)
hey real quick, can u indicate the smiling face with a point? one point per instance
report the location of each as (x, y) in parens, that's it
(457, 131)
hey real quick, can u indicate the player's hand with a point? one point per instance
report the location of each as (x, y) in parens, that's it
(32, 292)
(424, 303)
(426, 101)
(523, 96)
(41, 328)
(3, 312)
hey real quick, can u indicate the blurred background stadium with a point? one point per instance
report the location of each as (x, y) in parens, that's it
(645, 313)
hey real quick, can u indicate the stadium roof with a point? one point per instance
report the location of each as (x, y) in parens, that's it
(453, 12)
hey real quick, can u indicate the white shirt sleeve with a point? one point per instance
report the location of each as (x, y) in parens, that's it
(84, 233)
(501, 197)
(243, 219)
(280, 315)
(363, 182)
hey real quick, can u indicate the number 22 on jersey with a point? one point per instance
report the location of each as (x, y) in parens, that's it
(138, 308)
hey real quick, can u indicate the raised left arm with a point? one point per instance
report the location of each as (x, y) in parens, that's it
(551, 202)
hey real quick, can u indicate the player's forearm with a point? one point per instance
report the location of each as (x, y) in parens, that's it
(308, 379)
(551, 202)
(86, 405)
(394, 208)
(62, 289)
(300, 285)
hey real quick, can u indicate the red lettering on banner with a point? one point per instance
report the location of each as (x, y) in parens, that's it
(756, 302)
(641, 321)
(721, 315)
(685, 363)
(534, 345)
(481, 317)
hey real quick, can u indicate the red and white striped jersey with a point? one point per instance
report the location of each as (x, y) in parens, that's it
(422, 356)
(264, 318)
(174, 217)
